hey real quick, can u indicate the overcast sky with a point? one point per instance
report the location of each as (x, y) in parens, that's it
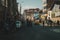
(26, 4)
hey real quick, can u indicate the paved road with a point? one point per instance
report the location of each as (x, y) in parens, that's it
(31, 33)
(38, 33)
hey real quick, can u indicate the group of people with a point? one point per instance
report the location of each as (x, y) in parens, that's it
(29, 22)
(50, 22)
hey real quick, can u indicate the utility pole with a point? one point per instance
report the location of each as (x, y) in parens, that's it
(0, 2)
(20, 8)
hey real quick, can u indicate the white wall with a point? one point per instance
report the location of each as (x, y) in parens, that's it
(56, 10)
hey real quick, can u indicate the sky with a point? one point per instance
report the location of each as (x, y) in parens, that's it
(26, 4)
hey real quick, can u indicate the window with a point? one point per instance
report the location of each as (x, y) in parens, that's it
(53, 15)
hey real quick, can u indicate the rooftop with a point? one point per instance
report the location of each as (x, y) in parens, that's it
(55, 2)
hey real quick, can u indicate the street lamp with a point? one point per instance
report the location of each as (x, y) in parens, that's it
(21, 7)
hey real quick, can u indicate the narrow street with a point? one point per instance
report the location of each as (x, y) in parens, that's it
(29, 19)
(38, 33)
(31, 33)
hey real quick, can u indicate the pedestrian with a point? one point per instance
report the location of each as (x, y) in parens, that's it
(43, 23)
(58, 22)
(50, 22)
(30, 23)
(27, 21)
(40, 20)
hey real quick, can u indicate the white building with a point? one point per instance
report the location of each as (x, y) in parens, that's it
(54, 14)
(56, 10)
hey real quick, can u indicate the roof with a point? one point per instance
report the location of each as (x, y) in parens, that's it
(55, 2)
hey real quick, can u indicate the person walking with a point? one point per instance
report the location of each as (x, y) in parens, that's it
(30, 23)
(58, 23)
(43, 23)
(27, 21)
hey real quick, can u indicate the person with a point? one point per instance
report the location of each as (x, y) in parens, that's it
(50, 22)
(30, 23)
(43, 23)
(40, 20)
(27, 21)
(58, 22)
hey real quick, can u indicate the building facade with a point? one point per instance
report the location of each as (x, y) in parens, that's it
(31, 13)
(54, 13)
(8, 11)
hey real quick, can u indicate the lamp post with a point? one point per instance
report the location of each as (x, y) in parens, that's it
(20, 8)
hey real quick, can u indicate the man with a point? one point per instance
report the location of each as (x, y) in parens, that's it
(43, 23)
(58, 22)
